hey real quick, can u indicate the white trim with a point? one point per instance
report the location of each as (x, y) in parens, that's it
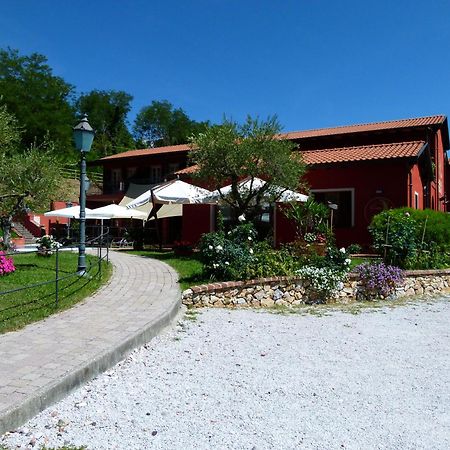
(349, 189)
(416, 200)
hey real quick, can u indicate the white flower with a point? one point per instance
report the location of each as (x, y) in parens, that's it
(342, 250)
(251, 251)
(210, 247)
(250, 238)
(241, 218)
(348, 261)
(229, 233)
(219, 247)
(227, 263)
(215, 266)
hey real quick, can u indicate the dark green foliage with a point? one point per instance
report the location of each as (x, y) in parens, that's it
(228, 256)
(411, 238)
(309, 217)
(107, 112)
(161, 124)
(269, 262)
(41, 101)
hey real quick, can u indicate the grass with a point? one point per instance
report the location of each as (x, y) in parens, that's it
(357, 261)
(189, 268)
(20, 308)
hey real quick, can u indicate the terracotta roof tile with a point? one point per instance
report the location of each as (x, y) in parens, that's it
(392, 124)
(363, 153)
(187, 170)
(149, 151)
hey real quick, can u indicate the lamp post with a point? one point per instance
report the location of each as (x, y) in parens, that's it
(83, 135)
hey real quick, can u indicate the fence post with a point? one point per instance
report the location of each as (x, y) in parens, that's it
(100, 258)
(107, 247)
(57, 277)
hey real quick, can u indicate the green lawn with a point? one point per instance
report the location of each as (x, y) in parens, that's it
(22, 307)
(189, 268)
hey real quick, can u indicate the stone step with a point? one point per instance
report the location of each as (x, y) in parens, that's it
(20, 228)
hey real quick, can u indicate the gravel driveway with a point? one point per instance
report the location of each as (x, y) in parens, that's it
(245, 379)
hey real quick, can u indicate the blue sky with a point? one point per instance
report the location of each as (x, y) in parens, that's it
(314, 63)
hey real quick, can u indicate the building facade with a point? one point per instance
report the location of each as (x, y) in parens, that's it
(363, 169)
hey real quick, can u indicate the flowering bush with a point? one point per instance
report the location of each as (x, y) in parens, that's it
(322, 282)
(6, 264)
(339, 259)
(378, 280)
(228, 256)
(46, 245)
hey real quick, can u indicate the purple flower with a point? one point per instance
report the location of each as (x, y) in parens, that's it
(379, 280)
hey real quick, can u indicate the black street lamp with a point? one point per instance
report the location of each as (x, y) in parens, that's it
(83, 135)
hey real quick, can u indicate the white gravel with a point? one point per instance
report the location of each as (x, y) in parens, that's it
(244, 379)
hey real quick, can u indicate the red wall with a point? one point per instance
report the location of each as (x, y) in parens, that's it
(377, 185)
(197, 220)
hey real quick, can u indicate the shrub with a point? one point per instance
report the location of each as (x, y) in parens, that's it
(6, 264)
(338, 259)
(411, 238)
(394, 234)
(46, 245)
(322, 282)
(268, 262)
(378, 280)
(228, 256)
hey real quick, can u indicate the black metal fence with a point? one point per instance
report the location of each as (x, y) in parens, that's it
(29, 298)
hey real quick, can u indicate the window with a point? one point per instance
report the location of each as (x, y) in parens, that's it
(416, 200)
(131, 172)
(343, 216)
(173, 167)
(155, 174)
(116, 178)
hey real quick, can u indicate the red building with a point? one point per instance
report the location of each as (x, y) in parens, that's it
(361, 168)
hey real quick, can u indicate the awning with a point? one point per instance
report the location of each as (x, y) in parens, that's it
(135, 190)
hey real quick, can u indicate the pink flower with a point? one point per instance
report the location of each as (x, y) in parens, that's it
(6, 264)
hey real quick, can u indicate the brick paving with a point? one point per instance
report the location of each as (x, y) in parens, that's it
(42, 362)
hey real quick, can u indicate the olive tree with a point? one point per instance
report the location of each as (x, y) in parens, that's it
(228, 153)
(30, 179)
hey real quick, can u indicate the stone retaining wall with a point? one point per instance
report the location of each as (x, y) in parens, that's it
(268, 292)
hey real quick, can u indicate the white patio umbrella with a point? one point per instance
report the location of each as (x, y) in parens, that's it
(172, 192)
(114, 211)
(277, 192)
(72, 212)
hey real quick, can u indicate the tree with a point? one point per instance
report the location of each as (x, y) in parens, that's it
(27, 180)
(107, 111)
(9, 132)
(41, 101)
(160, 124)
(229, 152)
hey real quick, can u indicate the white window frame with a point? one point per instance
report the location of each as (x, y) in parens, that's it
(116, 178)
(154, 179)
(352, 193)
(416, 200)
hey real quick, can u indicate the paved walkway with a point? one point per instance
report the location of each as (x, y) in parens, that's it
(42, 362)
